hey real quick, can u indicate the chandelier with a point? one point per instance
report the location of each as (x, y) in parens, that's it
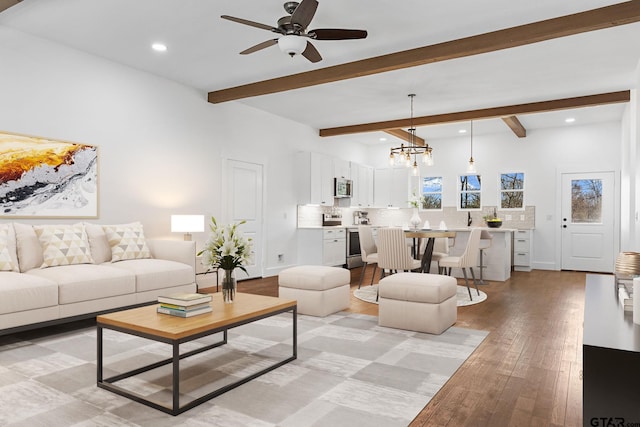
(408, 154)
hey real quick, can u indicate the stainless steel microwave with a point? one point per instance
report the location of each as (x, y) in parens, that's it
(342, 187)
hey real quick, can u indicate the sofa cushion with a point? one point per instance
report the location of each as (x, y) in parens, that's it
(157, 273)
(63, 245)
(28, 247)
(22, 292)
(84, 282)
(8, 259)
(98, 243)
(127, 241)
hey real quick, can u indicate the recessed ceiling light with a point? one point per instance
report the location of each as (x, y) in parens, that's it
(383, 139)
(569, 120)
(159, 47)
(462, 131)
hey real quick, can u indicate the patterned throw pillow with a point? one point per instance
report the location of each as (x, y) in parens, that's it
(127, 241)
(63, 245)
(6, 263)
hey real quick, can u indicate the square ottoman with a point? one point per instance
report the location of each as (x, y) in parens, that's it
(319, 290)
(418, 302)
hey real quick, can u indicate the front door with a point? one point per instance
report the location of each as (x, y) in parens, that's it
(244, 194)
(588, 221)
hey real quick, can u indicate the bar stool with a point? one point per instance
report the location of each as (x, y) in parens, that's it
(485, 243)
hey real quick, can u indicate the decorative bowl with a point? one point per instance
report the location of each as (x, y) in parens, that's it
(494, 223)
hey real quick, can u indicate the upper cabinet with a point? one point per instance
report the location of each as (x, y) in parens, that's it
(391, 187)
(314, 177)
(342, 169)
(362, 177)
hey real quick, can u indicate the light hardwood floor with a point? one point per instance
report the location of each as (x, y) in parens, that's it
(526, 372)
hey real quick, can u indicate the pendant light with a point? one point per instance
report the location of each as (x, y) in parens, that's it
(405, 154)
(472, 167)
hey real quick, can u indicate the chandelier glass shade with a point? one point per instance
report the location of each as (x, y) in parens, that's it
(407, 155)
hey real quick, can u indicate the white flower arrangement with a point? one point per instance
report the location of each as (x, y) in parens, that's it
(226, 247)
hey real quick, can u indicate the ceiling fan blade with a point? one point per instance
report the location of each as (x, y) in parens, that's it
(250, 23)
(311, 53)
(259, 46)
(304, 13)
(336, 34)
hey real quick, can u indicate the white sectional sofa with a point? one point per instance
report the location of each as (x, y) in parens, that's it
(55, 273)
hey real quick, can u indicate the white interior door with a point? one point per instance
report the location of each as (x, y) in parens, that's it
(588, 221)
(244, 194)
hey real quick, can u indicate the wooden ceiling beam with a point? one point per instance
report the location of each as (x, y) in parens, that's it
(515, 125)
(405, 136)
(591, 20)
(6, 4)
(486, 113)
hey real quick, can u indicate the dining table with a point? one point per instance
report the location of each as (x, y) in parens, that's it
(430, 235)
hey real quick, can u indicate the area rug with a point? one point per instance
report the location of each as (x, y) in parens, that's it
(369, 293)
(349, 371)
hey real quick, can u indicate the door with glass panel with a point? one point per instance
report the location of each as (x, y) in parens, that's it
(588, 221)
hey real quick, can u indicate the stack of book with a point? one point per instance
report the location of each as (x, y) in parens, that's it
(184, 305)
(625, 292)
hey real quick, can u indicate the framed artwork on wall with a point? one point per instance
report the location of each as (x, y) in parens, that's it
(47, 178)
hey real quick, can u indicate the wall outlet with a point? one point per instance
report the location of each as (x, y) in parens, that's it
(521, 217)
(280, 257)
(507, 217)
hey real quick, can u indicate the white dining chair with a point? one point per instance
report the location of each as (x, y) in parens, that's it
(368, 251)
(393, 253)
(468, 259)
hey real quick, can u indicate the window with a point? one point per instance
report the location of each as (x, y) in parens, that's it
(469, 192)
(586, 201)
(432, 192)
(512, 190)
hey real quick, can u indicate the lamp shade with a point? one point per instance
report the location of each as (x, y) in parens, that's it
(187, 223)
(293, 45)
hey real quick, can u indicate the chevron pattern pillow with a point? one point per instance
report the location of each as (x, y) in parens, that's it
(63, 245)
(127, 241)
(6, 263)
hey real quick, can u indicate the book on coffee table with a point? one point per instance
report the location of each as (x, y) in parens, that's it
(184, 313)
(185, 299)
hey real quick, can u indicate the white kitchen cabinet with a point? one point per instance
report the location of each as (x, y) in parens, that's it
(362, 186)
(391, 187)
(314, 177)
(522, 249)
(322, 246)
(342, 169)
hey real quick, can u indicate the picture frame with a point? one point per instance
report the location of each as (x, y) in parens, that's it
(47, 178)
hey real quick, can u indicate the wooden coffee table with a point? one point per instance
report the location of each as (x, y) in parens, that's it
(147, 323)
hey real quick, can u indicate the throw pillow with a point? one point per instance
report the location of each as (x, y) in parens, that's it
(127, 241)
(6, 262)
(63, 245)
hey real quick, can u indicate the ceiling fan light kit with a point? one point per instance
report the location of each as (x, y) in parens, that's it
(292, 45)
(293, 28)
(402, 155)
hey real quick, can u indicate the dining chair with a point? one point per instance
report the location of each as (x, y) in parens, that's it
(393, 253)
(468, 259)
(440, 250)
(368, 251)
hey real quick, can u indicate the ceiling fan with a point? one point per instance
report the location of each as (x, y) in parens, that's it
(293, 28)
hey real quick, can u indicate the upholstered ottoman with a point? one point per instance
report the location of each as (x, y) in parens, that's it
(319, 290)
(418, 302)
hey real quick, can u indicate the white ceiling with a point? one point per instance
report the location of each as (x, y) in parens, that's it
(203, 53)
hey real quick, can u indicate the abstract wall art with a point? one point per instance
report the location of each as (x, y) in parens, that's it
(46, 178)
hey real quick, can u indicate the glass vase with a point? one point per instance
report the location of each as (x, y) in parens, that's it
(415, 220)
(228, 286)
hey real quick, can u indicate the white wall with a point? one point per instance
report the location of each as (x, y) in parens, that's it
(540, 155)
(162, 146)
